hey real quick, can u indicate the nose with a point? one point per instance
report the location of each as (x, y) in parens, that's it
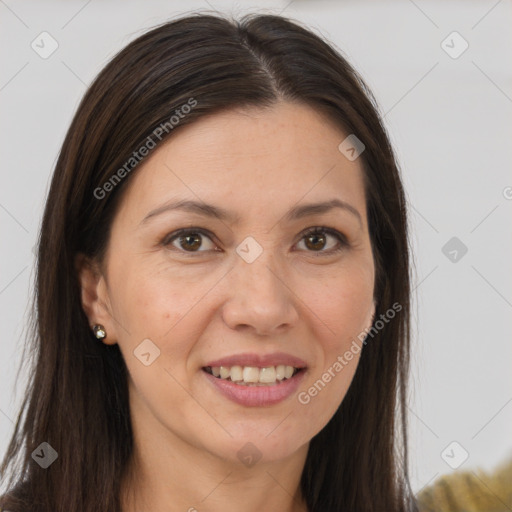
(261, 300)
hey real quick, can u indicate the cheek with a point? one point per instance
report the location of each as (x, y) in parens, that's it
(341, 308)
(342, 305)
(155, 306)
(154, 300)
(158, 311)
(338, 352)
(326, 388)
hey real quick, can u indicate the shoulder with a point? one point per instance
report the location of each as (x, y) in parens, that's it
(469, 490)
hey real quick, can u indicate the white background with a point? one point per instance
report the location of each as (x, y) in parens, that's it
(450, 122)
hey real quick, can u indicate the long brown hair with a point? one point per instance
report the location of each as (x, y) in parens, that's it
(77, 399)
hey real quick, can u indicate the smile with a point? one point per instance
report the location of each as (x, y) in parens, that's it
(255, 393)
(252, 375)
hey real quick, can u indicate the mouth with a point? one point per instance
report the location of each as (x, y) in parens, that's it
(251, 393)
(254, 375)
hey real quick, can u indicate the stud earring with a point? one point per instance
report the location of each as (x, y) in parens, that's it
(99, 331)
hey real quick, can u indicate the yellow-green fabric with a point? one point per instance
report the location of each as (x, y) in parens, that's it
(469, 491)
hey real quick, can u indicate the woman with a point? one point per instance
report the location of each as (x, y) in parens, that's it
(222, 286)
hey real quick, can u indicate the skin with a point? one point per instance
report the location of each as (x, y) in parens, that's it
(298, 297)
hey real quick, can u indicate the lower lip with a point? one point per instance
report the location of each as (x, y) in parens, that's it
(257, 396)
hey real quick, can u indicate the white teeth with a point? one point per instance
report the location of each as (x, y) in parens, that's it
(268, 374)
(246, 375)
(251, 374)
(236, 373)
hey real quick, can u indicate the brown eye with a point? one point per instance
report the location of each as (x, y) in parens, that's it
(317, 239)
(188, 240)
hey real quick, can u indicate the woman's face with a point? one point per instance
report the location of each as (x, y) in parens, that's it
(246, 285)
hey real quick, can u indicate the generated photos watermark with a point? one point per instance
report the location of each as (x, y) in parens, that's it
(150, 143)
(304, 397)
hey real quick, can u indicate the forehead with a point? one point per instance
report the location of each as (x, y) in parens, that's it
(250, 159)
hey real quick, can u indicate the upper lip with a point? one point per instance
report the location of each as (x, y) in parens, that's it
(259, 360)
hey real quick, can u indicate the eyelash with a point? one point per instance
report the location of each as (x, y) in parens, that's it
(316, 230)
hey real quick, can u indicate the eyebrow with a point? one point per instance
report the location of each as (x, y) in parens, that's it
(209, 210)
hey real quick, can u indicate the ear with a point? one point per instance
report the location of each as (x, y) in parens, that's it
(94, 296)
